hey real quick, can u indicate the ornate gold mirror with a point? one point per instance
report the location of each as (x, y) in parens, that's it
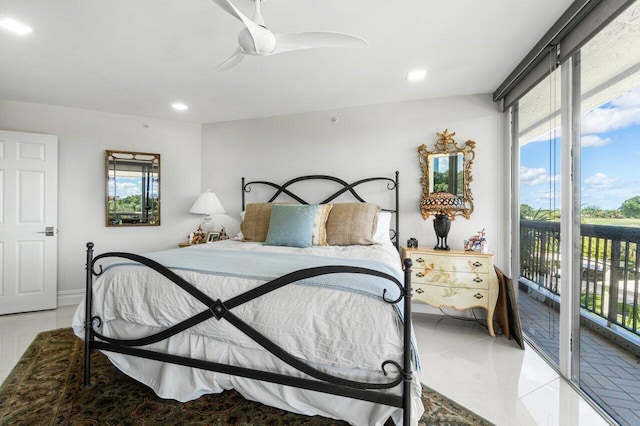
(446, 170)
(133, 188)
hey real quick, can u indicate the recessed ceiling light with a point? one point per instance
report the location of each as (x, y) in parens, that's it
(417, 75)
(14, 26)
(180, 107)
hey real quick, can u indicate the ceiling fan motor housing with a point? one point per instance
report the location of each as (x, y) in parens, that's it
(263, 43)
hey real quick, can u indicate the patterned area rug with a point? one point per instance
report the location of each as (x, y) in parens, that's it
(44, 389)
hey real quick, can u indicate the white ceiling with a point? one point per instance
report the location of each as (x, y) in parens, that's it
(139, 56)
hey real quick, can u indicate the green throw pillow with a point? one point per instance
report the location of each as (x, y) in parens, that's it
(291, 226)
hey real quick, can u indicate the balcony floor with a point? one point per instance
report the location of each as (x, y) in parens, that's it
(609, 374)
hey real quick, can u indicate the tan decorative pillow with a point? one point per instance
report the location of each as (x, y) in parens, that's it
(255, 225)
(352, 224)
(319, 225)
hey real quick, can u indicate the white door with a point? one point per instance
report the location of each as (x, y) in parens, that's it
(28, 222)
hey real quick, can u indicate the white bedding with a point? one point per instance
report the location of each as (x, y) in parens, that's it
(336, 331)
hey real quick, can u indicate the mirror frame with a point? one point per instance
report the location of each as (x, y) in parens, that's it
(447, 145)
(111, 155)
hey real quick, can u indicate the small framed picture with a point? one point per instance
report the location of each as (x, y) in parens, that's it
(213, 237)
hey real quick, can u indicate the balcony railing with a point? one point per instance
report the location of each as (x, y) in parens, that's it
(610, 268)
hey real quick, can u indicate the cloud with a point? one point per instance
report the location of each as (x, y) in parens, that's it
(609, 198)
(548, 135)
(615, 114)
(535, 176)
(600, 181)
(621, 112)
(630, 99)
(593, 140)
(550, 198)
(125, 187)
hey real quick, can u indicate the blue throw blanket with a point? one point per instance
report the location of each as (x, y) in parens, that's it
(268, 266)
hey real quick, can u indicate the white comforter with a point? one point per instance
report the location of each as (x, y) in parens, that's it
(339, 332)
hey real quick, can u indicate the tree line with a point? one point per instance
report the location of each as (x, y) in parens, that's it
(629, 209)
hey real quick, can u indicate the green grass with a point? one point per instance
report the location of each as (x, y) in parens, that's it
(612, 222)
(628, 308)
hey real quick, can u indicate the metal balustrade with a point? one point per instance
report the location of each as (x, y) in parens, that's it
(610, 269)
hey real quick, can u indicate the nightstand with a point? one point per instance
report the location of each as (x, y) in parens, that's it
(456, 279)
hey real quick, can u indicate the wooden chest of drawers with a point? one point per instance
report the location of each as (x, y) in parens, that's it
(456, 279)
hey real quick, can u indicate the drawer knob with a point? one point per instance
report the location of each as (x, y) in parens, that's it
(420, 260)
(477, 280)
(420, 274)
(419, 290)
(478, 296)
(477, 264)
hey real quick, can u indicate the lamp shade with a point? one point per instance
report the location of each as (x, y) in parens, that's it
(207, 203)
(444, 202)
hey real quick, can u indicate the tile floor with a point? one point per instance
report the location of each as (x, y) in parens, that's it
(495, 378)
(490, 376)
(609, 373)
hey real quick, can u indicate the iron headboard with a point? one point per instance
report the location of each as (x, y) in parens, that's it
(391, 185)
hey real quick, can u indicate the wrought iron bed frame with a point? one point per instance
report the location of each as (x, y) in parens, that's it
(325, 383)
(392, 185)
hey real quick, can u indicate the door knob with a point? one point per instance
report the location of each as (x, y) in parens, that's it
(48, 231)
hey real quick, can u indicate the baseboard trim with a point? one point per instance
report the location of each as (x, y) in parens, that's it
(70, 297)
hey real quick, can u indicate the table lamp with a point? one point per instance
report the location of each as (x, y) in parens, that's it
(207, 204)
(444, 204)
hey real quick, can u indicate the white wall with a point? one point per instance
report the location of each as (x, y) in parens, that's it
(83, 138)
(370, 140)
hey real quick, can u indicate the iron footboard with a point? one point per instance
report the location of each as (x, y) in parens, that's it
(320, 382)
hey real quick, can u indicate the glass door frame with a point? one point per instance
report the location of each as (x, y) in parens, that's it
(569, 338)
(570, 222)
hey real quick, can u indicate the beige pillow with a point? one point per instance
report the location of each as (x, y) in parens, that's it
(319, 236)
(352, 224)
(255, 224)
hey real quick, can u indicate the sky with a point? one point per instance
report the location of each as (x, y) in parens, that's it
(609, 158)
(127, 186)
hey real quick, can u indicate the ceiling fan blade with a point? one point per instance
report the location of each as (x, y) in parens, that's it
(286, 42)
(228, 7)
(232, 61)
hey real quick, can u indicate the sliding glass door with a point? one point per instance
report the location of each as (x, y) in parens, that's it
(609, 158)
(539, 146)
(578, 267)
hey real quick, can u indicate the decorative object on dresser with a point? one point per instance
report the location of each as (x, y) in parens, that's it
(445, 205)
(477, 242)
(197, 237)
(207, 204)
(455, 279)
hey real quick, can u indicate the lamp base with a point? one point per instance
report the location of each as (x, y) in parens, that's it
(207, 224)
(442, 225)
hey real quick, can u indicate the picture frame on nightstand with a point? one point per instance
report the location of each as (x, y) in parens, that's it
(212, 237)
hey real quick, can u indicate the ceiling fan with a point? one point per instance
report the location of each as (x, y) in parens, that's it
(256, 39)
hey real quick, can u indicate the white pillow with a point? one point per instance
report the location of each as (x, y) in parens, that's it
(240, 234)
(382, 235)
(319, 237)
